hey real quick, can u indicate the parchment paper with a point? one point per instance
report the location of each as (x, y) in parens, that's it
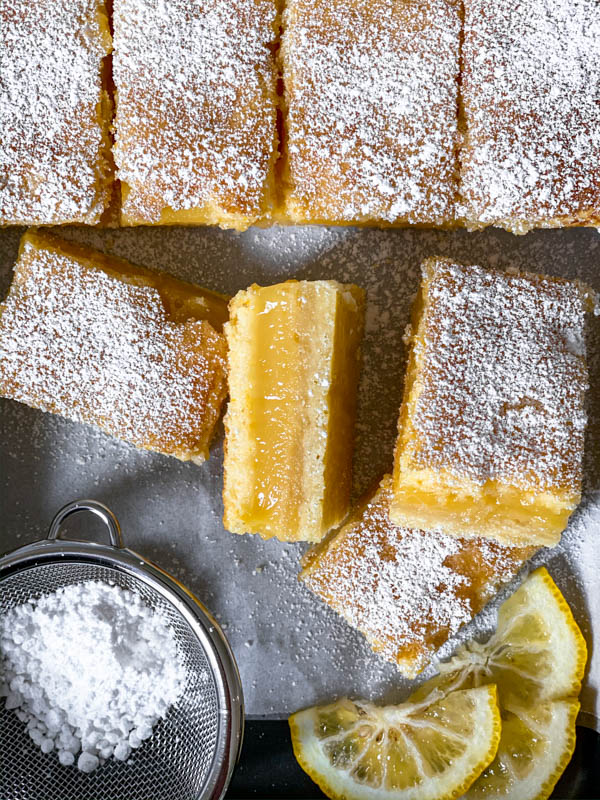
(291, 649)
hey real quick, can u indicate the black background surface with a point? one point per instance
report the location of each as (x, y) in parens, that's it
(268, 770)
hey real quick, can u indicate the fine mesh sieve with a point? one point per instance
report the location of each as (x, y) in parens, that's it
(192, 752)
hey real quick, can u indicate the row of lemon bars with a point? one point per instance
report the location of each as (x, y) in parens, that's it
(488, 461)
(237, 112)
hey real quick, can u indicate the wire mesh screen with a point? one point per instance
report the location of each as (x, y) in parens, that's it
(171, 765)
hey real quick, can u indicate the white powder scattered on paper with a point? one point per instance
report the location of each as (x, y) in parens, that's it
(89, 669)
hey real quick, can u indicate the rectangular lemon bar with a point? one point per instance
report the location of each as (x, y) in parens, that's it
(491, 429)
(406, 590)
(289, 427)
(137, 353)
(196, 136)
(55, 163)
(371, 91)
(531, 108)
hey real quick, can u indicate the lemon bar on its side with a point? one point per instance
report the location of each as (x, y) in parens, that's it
(289, 427)
(371, 91)
(196, 135)
(491, 429)
(137, 353)
(531, 110)
(406, 590)
(55, 163)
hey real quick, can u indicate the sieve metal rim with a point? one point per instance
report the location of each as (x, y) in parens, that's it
(116, 556)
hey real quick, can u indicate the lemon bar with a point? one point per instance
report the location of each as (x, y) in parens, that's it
(531, 108)
(289, 427)
(406, 590)
(196, 134)
(55, 164)
(371, 93)
(137, 353)
(491, 430)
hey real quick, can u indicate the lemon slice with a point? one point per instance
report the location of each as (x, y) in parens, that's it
(535, 747)
(537, 659)
(432, 750)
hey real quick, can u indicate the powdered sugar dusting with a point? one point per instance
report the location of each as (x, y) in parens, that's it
(196, 104)
(502, 377)
(90, 669)
(408, 590)
(79, 342)
(372, 91)
(531, 93)
(53, 165)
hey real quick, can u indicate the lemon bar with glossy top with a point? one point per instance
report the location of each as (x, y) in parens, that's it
(96, 339)
(491, 429)
(289, 427)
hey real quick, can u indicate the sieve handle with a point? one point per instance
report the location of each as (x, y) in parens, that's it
(94, 507)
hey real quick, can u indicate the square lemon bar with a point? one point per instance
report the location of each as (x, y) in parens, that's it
(289, 428)
(491, 429)
(195, 130)
(406, 590)
(371, 91)
(137, 353)
(531, 111)
(55, 163)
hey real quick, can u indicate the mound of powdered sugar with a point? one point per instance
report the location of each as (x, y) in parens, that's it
(90, 669)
